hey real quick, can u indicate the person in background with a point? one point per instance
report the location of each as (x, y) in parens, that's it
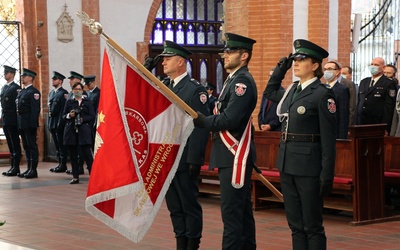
(390, 72)
(28, 110)
(181, 198)
(268, 120)
(342, 98)
(57, 99)
(94, 96)
(211, 98)
(76, 78)
(231, 126)
(8, 96)
(376, 97)
(347, 73)
(79, 116)
(307, 150)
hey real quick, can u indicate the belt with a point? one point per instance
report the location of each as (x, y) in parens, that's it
(300, 137)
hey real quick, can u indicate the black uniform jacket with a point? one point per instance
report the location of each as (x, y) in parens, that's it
(28, 108)
(8, 96)
(57, 101)
(376, 104)
(85, 128)
(311, 112)
(94, 96)
(195, 95)
(236, 104)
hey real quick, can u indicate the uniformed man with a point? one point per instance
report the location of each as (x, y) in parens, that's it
(181, 197)
(94, 96)
(28, 109)
(231, 126)
(57, 99)
(8, 96)
(307, 150)
(376, 97)
(211, 98)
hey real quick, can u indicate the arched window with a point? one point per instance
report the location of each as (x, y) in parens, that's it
(196, 25)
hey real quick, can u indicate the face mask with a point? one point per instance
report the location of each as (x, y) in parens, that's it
(328, 75)
(343, 76)
(373, 69)
(78, 94)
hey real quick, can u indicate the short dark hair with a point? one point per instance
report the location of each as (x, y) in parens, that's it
(349, 69)
(393, 67)
(76, 84)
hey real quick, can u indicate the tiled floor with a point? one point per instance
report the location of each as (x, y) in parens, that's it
(48, 213)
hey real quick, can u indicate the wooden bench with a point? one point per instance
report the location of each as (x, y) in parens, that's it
(392, 160)
(358, 183)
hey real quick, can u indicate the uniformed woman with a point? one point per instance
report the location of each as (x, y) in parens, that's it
(307, 150)
(79, 116)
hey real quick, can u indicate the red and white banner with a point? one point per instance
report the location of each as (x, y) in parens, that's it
(140, 137)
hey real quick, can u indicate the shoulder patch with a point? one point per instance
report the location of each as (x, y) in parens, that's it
(392, 93)
(36, 96)
(194, 81)
(331, 105)
(240, 89)
(203, 97)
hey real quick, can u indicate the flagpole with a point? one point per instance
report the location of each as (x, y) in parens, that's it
(96, 29)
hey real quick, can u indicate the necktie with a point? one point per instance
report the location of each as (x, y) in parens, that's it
(372, 83)
(171, 84)
(297, 91)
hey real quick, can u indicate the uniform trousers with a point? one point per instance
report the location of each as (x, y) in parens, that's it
(29, 143)
(12, 137)
(58, 138)
(237, 212)
(185, 210)
(303, 207)
(80, 150)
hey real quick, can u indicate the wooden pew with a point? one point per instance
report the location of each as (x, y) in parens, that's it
(392, 160)
(359, 170)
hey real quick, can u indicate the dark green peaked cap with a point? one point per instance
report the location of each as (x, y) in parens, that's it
(75, 75)
(235, 41)
(89, 79)
(307, 48)
(173, 49)
(9, 69)
(57, 75)
(28, 72)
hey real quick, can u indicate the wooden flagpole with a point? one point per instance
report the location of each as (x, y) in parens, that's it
(267, 183)
(96, 29)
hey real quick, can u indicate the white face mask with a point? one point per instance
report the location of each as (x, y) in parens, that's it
(328, 75)
(343, 76)
(373, 69)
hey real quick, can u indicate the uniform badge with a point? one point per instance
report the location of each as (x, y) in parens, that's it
(66, 96)
(240, 89)
(36, 96)
(392, 93)
(18, 90)
(203, 97)
(331, 105)
(301, 110)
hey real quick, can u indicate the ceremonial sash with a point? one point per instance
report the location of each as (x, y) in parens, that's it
(240, 149)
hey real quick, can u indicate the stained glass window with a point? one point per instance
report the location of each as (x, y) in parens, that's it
(200, 19)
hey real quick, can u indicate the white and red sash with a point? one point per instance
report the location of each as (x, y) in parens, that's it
(240, 149)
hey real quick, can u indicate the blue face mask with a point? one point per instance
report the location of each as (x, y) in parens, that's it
(343, 76)
(328, 75)
(373, 69)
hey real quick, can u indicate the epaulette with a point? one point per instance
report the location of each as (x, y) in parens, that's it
(194, 81)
